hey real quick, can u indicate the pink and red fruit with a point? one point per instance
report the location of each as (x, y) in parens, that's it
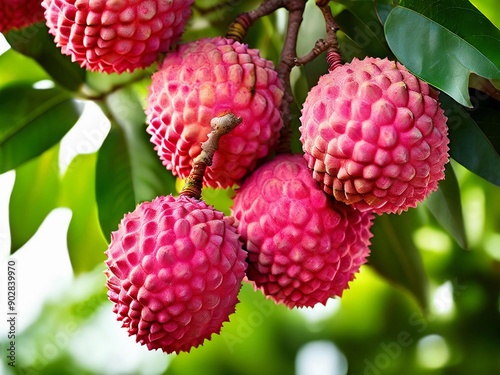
(16, 14)
(200, 81)
(116, 36)
(303, 246)
(175, 267)
(375, 136)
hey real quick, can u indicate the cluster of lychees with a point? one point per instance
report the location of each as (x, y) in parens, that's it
(374, 139)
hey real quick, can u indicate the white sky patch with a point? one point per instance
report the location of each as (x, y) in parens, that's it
(442, 300)
(42, 264)
(4, 46)
(110, 340)
(432, 352)
(320, 358)
(44, 84)
(42, 267)
(281, 20)
(320, 312)
(85, 137)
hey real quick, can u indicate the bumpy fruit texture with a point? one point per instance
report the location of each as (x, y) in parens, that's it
(375, 136)
(175, 267)
(16, 14)
(116, 36)
(200, 81)
(303, 246)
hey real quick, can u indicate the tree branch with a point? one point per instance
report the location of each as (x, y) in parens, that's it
(238, 29)
(221, 125)
(333, 56)
(287, 62)
(329, 45)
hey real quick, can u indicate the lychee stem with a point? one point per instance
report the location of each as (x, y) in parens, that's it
(329, 45)
(285, 66)
(333, 56)
(221, 125)
(238, 29)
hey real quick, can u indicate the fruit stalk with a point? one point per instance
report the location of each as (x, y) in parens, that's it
(329, 45)
(221, 125)
(333, 56)
(238, 29)
(287, 62)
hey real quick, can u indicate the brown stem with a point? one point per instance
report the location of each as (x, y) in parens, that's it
(287, 62)
(238, 29)
(333, 56)
(320, 47)
(329, 45)
(221, 125)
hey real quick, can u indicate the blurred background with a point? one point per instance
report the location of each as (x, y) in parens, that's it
(66, 326)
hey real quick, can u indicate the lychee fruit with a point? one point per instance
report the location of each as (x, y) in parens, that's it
(16, 14)
(303, 246)
(375, 135)
(197, 82)
(116, 36)
(174, 270)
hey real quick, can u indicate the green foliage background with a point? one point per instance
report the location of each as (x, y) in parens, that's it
(428, 302)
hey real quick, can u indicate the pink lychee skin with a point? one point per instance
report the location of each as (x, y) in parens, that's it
(200, 81)
(375, 136)
(16, 14)
(174, 270)
(303, 246)
(116, 36)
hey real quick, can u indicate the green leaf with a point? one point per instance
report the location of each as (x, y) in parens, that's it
(15, 67)
(149, 177)
(394, 255)
(490, 9)
(485, 86)
(443, 43)
(486, 114)
(86, 243)
(446, 206)
(34, 195)
(114, 188)
(469, 145)
(102, 83)
(128, 170)
(35, 41)
(361, 23)
(488, 120)
(31, 121)
(383, 8)
(221, 199)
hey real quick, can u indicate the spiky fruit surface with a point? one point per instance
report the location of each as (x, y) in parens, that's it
(16, 14)
(175, 267)
(303, 246)
(116, 36)
(200, 81)
(375, 136)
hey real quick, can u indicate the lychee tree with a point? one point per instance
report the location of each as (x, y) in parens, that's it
(360, 132)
